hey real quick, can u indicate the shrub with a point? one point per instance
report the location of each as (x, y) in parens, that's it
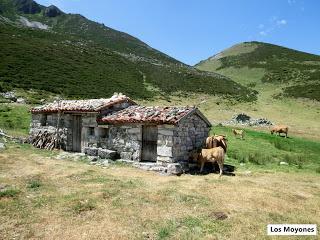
(282, 144)
(294, 160)
(167, 230)
(5, 108)
(83, 206)
(34, 184)
(10, 193)
(259, 159)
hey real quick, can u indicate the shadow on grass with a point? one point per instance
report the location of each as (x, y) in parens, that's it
(228, 170)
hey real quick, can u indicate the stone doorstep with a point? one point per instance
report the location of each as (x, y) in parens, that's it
(170, 169)
(149, 166)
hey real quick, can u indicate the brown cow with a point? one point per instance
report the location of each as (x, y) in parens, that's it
(280, 129)
(238, 132)
(217, 141)
(210, 155)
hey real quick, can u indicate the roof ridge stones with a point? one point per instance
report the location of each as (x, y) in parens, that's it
(155, 115)
(87, 105)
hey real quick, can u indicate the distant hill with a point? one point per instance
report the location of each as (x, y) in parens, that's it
(252, 63)
(44, 48)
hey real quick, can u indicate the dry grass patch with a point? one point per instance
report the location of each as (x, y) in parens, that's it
(78, 201)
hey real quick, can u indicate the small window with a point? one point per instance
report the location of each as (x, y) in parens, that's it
(91, 131)
(104, 132)
(43, 120)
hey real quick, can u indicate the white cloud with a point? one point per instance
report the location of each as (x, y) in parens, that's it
(263, 33)
(281, 22)
(291, 2)
(271, 25)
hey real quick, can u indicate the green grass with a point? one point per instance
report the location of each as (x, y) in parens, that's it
(75, 199)
(192, 227)
(304, 91)
(34, 183)
(298, 72)
(265, 151)
(83, 206)
(15, 118)
(9, 193)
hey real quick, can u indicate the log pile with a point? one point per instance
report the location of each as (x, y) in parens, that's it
(45, 140)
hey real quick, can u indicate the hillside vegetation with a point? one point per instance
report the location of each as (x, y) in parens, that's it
(79, 58)
(258, 62)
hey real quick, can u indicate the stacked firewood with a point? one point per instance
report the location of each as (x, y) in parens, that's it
(45, 140)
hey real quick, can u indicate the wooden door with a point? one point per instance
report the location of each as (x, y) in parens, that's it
(76, 133)
(149, 143)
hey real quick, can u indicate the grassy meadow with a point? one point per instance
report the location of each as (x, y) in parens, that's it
(276, 179)
(15, 118)
(45, 198)
(42, 197)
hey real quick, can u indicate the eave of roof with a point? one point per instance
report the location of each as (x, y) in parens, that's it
(72, 109)
(151, 115)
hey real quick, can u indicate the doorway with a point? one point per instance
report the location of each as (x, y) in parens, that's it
(76, 133)
(149, 143)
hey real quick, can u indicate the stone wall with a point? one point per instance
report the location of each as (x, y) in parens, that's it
(189, 135)
(176, 142)
(165, 144)
(126, 140)
(94, 136)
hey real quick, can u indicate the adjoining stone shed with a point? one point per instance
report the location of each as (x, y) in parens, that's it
(74, 121)
(156, 134)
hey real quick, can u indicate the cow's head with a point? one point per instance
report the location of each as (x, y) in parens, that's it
(194, 155)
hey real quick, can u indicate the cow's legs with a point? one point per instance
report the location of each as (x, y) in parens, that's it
(201, 166)
(221, 168)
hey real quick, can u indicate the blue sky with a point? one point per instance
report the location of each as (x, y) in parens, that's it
(193, 30)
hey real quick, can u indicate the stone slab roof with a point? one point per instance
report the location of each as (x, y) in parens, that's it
(88, 105)
(152, 115)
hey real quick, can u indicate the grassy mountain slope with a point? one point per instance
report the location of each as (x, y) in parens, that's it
(253, 63)
(287, 82)
(80, 58)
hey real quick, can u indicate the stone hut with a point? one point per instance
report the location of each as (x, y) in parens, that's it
(74, 121)
(156, 134)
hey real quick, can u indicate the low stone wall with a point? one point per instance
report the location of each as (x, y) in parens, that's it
(126, 140)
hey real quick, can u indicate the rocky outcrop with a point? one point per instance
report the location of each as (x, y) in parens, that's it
(27, 6)
(2, 146)
(32, 24)
(52, 11)
(245, 120)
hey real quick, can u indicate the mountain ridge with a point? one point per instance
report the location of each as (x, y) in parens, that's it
(79, 58)
(290, 68)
